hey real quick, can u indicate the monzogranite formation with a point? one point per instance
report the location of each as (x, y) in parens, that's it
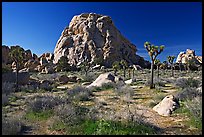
(183, 57)
(91, 36)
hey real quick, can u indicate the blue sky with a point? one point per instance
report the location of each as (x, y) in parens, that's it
(38, 25)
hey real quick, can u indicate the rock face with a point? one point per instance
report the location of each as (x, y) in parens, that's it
(183, 57)
(5, 54)
(29, 63)
(93, 36)
(166, 106)
(104, 78)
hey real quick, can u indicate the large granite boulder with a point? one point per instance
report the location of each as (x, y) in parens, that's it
(183, 57)
(104, 78)
(93, 36)
(167, 106)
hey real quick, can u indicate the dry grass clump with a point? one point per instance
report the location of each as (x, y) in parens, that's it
(41, 103)
(79, 93)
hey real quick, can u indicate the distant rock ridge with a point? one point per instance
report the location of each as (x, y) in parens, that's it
(91, 36)
(31, 62)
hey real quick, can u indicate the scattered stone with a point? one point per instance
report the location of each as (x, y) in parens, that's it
(166, 106)
(128, 81)
(45, 84)
(104, 78)
(63, 79)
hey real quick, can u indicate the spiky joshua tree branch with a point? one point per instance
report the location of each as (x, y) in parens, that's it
(153, 52)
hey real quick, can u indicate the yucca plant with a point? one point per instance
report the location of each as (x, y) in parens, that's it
(16, 54)
(171, 60)
(116, 67)
(157, 63)
(153, 52)
(124, 66)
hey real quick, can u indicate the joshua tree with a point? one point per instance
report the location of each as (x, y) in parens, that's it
(85, 66)
(190, 63)
(171, 60)
(157, 63)
(153, 52)
(63, 64)
(16, 53)
(116, 66)
(124, 66)
(98, 61)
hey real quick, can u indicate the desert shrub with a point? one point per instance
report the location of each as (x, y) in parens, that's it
(90, 77)
(195, 107)
(79, 93)
(106, 127)
(153, 103)
(189, 82)
(42, 103)
(39, 116)
(108, 85)
(70, 114)
(5, 99)
(8, 87)
(167, 80)
(6, 68)
(11, 125)
(125, 92)
(156, 81)
(188, 93)
(28, 88)
(95, 89)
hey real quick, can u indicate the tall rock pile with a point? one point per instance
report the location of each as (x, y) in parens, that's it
(91, 36)
(183, 57)
(31, 62)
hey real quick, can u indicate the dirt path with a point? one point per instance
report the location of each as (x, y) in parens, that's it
(172, 125)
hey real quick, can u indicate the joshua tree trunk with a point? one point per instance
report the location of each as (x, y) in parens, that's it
(86, 72)
(129, 71)
(17, 69)
(152, 75)
(115, 71)
(180, 67)
(124, 73)
(158, 71)
(172, 70)
(133, 73)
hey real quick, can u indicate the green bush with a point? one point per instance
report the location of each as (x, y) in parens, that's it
(39, 116)
(41, 103)
(103, 127)
(189, 82)
(70, 114)
(188, 93)
(79, 93)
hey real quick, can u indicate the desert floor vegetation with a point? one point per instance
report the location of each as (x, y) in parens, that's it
(112, 109)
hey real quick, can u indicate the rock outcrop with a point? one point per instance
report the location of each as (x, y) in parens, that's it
(183, 57)
(29, 63)
(5, 54)
(166, 106)
(93, 36)
(104, 78)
